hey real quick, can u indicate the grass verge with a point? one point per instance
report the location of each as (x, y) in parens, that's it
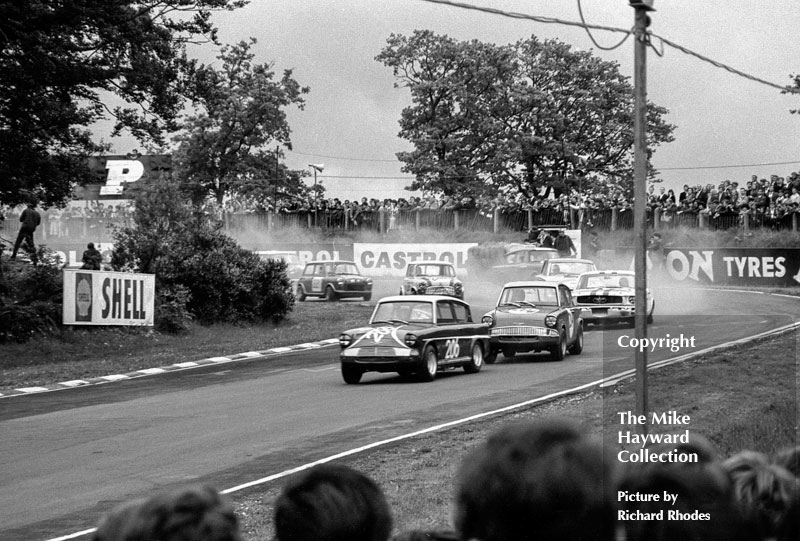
(86, 352)
(741, 398)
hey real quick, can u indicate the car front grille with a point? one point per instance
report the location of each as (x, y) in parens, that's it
(519, 331)
(599, 299)
(354, 286)
(440, 290)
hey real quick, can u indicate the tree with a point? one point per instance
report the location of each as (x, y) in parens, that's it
(62, 62)
(513, 118)
(224, 149)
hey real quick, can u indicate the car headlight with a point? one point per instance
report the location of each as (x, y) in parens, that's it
(422, 287)
(345, 340)
(488, 319)
(550, 321)
(410, 340)
(631, 299)
(458, 286)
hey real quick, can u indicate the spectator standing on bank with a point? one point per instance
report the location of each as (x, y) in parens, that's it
(30, 220)
(564, 244)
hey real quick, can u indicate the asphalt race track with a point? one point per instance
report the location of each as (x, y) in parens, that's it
(68, 456)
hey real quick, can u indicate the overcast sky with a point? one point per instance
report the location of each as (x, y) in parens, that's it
(350, 122)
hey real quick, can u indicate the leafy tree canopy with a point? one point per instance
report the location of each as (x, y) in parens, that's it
(513, 118)
(226, 147)
(61, 60)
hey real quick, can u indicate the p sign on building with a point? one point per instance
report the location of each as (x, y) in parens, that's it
(108, 298)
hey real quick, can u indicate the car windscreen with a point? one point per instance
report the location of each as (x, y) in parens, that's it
(434, 270)
(344, 268)
(521, 295)
(603, 281)
(572, 268)
(403, 312)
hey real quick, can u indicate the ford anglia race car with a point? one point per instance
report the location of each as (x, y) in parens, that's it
(534, 316)
(417, 335)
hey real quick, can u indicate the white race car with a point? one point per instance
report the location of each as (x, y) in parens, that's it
(609, 297)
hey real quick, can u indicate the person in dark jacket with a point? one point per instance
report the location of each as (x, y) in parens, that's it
(30, 220)
(564, 245)
(92, 258)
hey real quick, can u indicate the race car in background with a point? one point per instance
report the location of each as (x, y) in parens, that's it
(532, 316)
(333, 280)
(564, 270)
(432, 278)
(414, 335)
(610, 297)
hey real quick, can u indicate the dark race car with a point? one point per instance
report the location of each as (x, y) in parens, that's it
(535, 316)
(417, 335)
(333, 280)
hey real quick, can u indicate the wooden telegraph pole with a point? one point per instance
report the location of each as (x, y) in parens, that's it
(641, 7)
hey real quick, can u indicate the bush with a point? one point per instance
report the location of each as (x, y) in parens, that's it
(172, 315)
(198, 265)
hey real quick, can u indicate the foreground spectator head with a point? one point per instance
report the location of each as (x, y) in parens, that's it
(191, 514)
(789, 458)
(332, 502)
(537, 480)
(763, 489)
(703, 507)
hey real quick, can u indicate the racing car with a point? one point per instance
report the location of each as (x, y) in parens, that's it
(610, 297)
(414, 335)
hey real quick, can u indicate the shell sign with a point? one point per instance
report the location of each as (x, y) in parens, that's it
(108, 298)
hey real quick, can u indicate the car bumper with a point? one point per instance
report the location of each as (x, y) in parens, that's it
(381, 359)
(599, 313)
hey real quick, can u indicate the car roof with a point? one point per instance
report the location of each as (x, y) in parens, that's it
(553, 260)
(431, 263)
(608, 272)
(330, 261)
(425, 298)
(531, 283)
(528, 248)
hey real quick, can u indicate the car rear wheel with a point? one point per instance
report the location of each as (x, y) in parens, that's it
(430, 364)
(330, 294)
(559, 351)
(351, 374)
(301, 293)
(476, 360)
(577, 347)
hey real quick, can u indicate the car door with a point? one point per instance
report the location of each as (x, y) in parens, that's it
(449, 341)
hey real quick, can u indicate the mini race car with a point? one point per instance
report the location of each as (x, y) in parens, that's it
(534, 316)
(432, 278)
(415, 335)
(333, 280)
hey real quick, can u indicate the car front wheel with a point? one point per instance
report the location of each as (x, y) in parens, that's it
(430, 364)
(559, 351)
(476, 360)
(577, 347)
(330, 294)
(351, 374)
(301, 293)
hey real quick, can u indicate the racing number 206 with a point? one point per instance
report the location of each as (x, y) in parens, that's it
(453, 348)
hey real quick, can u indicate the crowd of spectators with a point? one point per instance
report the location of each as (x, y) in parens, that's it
(542, 479)
(758, 203)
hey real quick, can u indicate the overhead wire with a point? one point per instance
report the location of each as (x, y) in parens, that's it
(591, 37)
(553, 20)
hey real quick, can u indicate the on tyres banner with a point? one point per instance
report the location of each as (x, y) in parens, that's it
(766, 267)
(379, 259)
(108, 298)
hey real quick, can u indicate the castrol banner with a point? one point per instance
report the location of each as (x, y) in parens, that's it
(108, 298)
(379, 259)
